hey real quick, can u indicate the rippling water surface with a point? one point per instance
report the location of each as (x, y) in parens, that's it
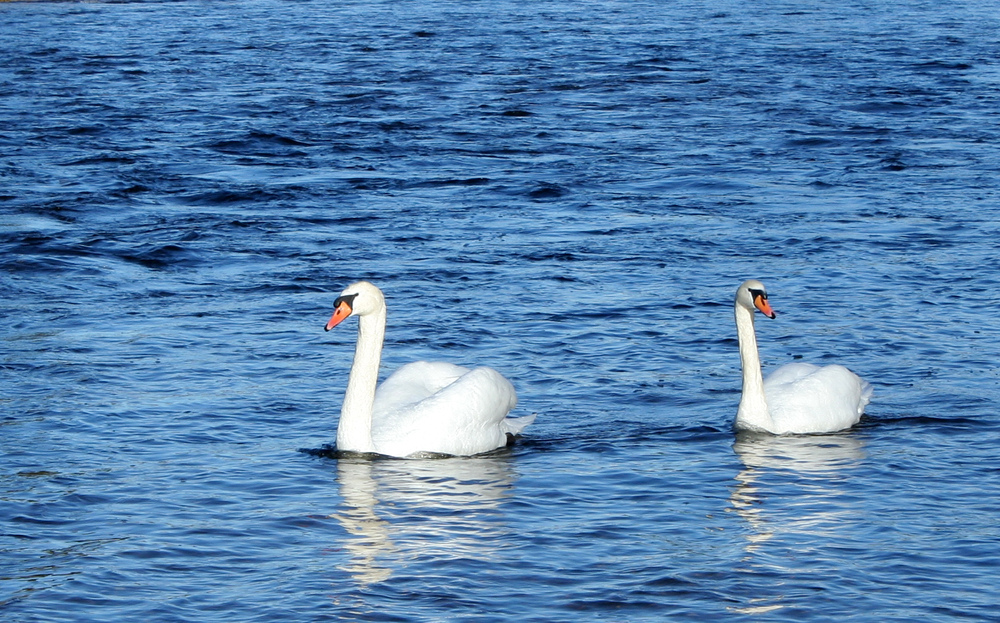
(569, 192)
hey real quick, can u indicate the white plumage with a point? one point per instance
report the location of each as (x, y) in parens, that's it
(797, 397)
(423, 407)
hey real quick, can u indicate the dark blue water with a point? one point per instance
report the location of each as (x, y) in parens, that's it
(569, 192)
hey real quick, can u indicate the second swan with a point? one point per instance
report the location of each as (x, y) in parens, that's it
(797, 397)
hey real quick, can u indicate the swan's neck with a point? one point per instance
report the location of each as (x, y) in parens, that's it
(752, 413)
(354, 433)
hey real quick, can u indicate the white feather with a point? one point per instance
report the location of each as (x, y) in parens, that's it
(797, 397)
(423, 407)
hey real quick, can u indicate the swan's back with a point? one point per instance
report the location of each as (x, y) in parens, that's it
(414, 382)
(805, 398)
(443, 408)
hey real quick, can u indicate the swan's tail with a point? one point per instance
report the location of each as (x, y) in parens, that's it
(866, 396)
(514, 425)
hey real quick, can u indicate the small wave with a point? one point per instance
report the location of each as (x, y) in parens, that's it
(162, 256)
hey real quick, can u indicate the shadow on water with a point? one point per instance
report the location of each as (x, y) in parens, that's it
(938, 423)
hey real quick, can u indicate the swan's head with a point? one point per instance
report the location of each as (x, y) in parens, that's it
(752, 295)
(357, 299)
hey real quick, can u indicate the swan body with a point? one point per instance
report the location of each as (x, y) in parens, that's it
(797, 397)
(423, 407)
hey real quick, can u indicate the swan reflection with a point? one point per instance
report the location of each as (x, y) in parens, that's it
(813, 461)
(815, 454)
(370, 534)
(802, 473)
(400, 510)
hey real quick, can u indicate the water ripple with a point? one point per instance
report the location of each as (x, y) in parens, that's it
(567, 192)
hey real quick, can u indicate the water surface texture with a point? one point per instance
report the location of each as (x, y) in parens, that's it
(569, 192)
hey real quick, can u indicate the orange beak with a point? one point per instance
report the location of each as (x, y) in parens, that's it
(343, 311)
(761, 303)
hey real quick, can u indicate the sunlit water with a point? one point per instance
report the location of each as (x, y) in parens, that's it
(569, 192)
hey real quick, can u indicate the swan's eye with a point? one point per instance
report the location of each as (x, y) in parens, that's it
(347, 298)
(755, 293)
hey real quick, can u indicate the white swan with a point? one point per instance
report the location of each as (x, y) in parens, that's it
(424, 407)
(797, 397)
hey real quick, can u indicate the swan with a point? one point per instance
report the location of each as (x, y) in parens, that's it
(423, 407)
(796, 397)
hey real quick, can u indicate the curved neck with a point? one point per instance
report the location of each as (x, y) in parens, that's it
(752, 413)
(354, 432)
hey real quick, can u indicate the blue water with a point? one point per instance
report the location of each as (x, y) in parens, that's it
(569, 192)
